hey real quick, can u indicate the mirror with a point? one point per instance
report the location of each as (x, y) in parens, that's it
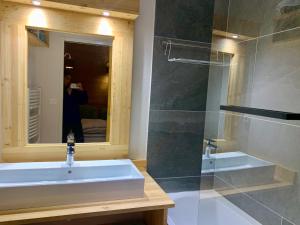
(68, 87)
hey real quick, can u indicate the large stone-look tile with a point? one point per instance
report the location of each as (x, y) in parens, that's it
(271, 81)
(212, 125)
(236, 131)
(178, 93)
(188, 19)
(279, 17)
(180, 184)
(245, 17)
(178, 86)
(221, 14)
(259, 212)
(282, 200)
(172, 185)
(260, 17)
(248, 177)
(175, 143)
(207, 182)
(241, 74)
(276, 83)
(276, 142)
(285, 222)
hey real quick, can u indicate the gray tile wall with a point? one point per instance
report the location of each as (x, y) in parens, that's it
(187, 20)
(265, 74)
(178, 95)
(261, 17)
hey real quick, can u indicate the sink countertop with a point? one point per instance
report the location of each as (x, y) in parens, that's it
(154, 199)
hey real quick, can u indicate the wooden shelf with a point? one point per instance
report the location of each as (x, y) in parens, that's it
(262, 112)
(33, 40)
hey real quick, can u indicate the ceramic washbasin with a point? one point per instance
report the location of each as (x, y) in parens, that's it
(28, 185)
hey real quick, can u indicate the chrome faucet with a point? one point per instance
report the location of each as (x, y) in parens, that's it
(70, 149)
(210, 147)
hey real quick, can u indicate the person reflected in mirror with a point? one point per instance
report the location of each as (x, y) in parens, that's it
(74, 96)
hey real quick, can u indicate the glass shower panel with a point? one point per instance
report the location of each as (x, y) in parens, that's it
(258, 167)
(217, 89)
(259, 173)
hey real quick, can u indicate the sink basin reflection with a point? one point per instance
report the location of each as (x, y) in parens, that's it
(27, 185)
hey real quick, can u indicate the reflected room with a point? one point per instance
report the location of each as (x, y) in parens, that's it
(68, 87)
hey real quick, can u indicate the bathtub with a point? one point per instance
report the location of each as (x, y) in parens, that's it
(231, 161)
(206, 208)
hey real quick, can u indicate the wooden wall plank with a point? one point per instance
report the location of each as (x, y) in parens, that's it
(39, 153)
(129, 6)
(5, 50)
(124, 9)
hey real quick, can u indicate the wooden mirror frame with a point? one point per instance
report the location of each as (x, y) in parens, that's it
(14, 19)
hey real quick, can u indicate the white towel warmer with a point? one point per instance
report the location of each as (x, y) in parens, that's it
(34, 114)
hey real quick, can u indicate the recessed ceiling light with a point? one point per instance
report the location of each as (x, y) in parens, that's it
(105, 13)
(235, 36)
(36, 2)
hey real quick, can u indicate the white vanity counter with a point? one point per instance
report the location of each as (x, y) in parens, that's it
(29, 185)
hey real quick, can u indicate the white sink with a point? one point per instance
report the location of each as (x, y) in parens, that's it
(27, 185)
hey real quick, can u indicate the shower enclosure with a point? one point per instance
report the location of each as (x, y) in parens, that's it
(252, 116)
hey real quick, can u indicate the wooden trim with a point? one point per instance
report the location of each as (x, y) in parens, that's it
(35, 41)
(14, 18)
(157, 217)
(108, 134)
(140, 164)
(229, 35)
(129, 6)
(57, 152)
(88, 9)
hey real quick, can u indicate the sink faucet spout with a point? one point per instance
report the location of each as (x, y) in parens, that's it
(210, 147)
(70, 149)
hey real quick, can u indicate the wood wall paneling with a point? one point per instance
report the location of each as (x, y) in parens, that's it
(13, 63)
(14, 19)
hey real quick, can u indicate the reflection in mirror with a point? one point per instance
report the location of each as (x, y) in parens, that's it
(68, 83)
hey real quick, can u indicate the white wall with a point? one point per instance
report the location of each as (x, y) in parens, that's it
(141, 83)
(45, 70)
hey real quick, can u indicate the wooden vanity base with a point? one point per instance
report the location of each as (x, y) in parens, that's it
(150, 210)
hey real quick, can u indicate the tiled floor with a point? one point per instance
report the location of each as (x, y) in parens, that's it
(206, 208)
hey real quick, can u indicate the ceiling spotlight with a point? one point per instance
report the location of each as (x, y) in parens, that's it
(36, 2)
(105, 13)
(235, 36)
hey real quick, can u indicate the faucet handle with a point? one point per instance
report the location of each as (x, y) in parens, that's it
(209, 141)
(71, 139)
